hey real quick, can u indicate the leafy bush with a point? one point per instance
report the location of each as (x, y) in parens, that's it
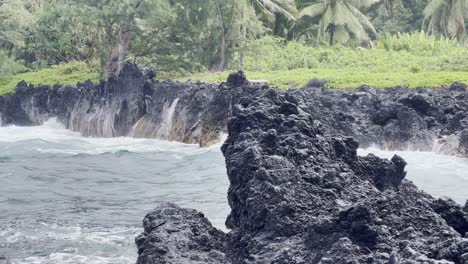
(9, 66)
(418, 43)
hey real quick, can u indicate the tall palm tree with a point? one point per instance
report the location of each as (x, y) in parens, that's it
(448, 16)
(265, 8)
(342, 19)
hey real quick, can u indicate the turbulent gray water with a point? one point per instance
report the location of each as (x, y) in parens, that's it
(69, 199)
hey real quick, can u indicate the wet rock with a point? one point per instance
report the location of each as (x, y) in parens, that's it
(419, 102)
(131, 104)
(299, 193)
(174, 235)
(453, 214)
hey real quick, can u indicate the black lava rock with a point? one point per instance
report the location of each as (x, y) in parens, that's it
(300, 194)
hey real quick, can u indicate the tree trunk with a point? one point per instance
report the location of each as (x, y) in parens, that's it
(118, 52)
(243, 46)
(222, 55)
(332, 33)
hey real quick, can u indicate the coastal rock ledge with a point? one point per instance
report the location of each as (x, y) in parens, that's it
(299, 193)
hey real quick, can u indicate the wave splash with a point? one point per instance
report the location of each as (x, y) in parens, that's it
(53, 138)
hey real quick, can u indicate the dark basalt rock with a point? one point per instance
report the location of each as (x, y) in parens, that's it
(134, 104)
(299, 193)
(315, 83)
(453, 213)
(459, 87)
(237, 79)
(175, 235)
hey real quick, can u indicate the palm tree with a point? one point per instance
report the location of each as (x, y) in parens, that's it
(448, 16)
(267, 9)
(342, 19)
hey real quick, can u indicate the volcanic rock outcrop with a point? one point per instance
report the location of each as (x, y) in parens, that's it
(396, 118)
(134, 104)
(299, 193)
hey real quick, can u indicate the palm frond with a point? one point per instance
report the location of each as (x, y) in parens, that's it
(432, 7)
(313, 10)
(277, 7)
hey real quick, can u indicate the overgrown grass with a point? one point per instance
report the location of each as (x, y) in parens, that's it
(65, 74)
(413, 60)
(345, 78)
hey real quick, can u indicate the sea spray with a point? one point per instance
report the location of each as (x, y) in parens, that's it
(165, 129)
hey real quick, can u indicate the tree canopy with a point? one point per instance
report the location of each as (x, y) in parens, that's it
(198, 35)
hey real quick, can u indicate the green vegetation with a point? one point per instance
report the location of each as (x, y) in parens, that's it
(344, 78)
(348, 42)
(415, 60)
(66, 74)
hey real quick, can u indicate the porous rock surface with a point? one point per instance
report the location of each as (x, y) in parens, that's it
(133, 104)
(434, 119)
(299, 193)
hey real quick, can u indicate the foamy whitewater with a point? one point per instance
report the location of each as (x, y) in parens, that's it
(69, 199)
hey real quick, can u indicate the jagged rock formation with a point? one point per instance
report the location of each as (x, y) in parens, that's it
(395, 118)
(134, 104)
(300, 194)
(131, 105)
(161, 243)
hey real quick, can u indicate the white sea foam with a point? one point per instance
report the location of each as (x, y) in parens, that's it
(69, 142)
(70, 258)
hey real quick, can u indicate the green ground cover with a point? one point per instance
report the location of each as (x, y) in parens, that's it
(64, 74)
(411, 60)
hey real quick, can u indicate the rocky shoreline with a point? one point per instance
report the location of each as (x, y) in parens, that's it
(299, 193)
(134, 104)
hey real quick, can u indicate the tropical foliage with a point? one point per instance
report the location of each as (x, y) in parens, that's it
(447, 17)
(183, 37)
(341, 19)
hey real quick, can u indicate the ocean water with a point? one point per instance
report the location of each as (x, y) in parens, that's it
(436, 174)
(65, 198)
(69, 199)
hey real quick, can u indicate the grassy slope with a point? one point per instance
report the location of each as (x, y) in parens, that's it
(66, 74)
(345, 77)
